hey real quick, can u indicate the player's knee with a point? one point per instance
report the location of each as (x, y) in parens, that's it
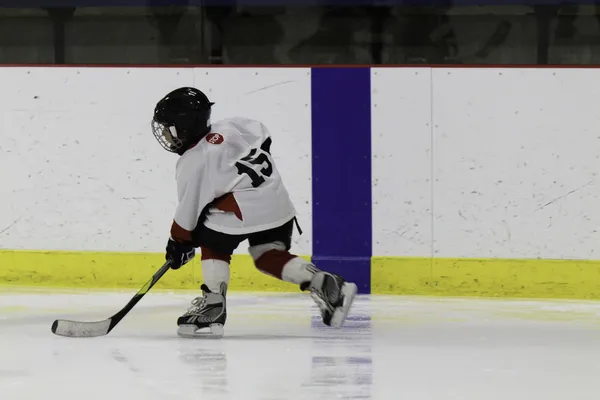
(209, 254)
(257, 251)
(271, 258)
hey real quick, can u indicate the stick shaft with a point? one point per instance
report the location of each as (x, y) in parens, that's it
(115, 319)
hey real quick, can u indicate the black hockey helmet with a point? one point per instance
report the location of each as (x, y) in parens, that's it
(181, 119)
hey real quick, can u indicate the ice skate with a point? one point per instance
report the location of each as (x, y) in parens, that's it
(333, 295)
(206, 317)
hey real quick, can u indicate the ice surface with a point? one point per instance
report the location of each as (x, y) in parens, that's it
(275, 348)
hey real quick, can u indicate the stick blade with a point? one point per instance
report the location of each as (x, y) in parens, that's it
(67, 328)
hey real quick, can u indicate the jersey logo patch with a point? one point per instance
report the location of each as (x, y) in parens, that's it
(214, 138)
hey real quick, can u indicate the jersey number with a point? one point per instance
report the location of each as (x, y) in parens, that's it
(256, 166)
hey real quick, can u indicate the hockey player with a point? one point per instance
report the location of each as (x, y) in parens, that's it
(230, 190)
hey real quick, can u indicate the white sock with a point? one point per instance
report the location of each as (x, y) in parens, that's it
(298, 270)
(214, 272)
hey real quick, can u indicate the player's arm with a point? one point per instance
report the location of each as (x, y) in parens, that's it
(265, 139)
(180, 249)
(194, 192)
(256, 134)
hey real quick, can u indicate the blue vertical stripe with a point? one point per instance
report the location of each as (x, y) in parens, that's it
(341, 172)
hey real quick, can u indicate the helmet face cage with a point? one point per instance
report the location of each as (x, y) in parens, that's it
(181, 118)
(166, 135)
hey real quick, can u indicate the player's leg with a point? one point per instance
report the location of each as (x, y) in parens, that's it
(208, 313)
(333, 295)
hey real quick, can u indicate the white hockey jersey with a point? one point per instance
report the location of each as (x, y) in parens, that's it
(231, 169)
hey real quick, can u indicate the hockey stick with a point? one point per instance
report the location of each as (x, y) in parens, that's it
(63, 327)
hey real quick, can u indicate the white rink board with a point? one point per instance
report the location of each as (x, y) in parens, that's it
(515, 156)
(401, 161)
(82, 171)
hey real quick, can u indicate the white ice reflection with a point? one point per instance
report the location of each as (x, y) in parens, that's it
(276, 348)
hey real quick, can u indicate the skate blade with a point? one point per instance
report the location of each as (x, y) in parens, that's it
(214, 331)
(349, 291)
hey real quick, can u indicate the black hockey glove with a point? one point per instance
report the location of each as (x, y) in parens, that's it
(179, 253)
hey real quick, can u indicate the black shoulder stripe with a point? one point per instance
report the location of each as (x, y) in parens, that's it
(266, 146)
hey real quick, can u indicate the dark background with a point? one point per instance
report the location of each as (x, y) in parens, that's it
(299, 32)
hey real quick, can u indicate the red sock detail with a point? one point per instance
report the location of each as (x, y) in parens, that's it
(208, 254)
(273, 261)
